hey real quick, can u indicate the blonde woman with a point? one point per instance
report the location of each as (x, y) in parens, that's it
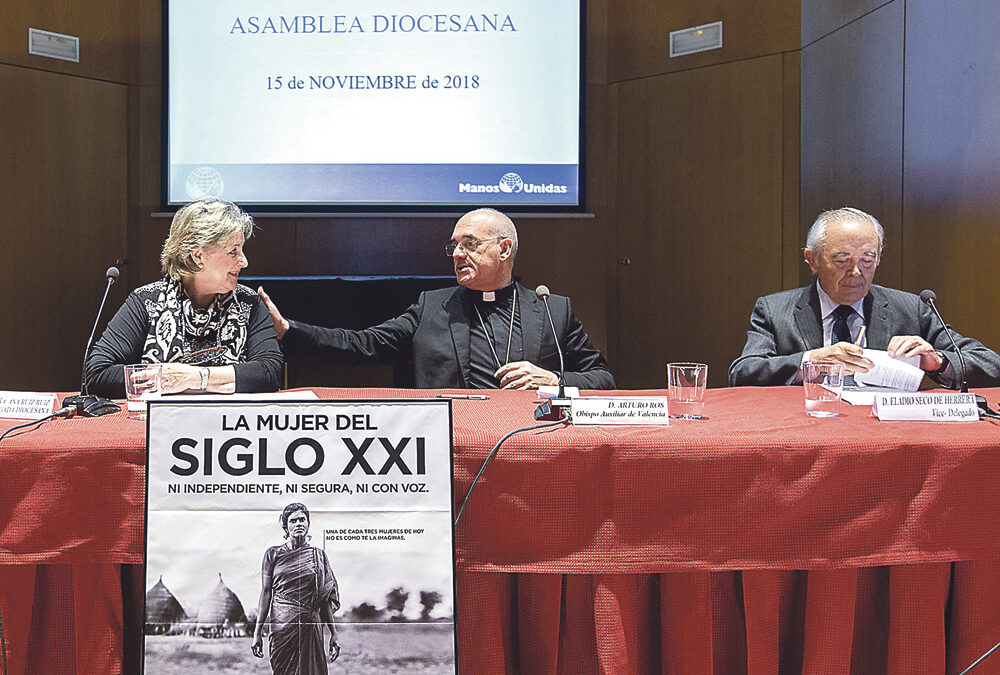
(210, 333)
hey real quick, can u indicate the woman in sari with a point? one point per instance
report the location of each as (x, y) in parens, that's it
(300, 593)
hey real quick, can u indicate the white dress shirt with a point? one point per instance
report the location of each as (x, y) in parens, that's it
(826, 308)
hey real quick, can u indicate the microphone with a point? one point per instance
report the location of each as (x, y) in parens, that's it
(553, 408)
(87, 404)
(927, 297)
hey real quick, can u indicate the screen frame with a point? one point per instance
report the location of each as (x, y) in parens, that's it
(363, 209)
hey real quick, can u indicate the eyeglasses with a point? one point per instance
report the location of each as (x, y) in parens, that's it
(469, 245)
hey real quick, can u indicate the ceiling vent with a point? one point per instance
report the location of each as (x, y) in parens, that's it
(53, 45)
(697, 39)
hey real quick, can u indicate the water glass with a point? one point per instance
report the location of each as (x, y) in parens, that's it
(823, 383)
(686, 384)
(142, 382)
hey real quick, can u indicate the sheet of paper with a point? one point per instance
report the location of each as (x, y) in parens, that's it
(866, 395)
(273, 396)
(892, 372)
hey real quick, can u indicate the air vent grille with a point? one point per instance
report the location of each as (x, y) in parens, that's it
(697, 39)
(53, 45)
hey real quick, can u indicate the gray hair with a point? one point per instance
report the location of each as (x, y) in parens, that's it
(817, 233)
(501, 226)
(206, 223)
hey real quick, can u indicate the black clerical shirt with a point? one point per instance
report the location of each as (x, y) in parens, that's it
(496, 318)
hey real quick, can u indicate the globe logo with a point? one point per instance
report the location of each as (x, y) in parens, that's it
(511, 182)
(204, 182)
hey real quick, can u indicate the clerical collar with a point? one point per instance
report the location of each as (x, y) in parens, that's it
(502, 294)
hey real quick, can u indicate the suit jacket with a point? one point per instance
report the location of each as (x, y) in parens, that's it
(786, 324)
(434, 333)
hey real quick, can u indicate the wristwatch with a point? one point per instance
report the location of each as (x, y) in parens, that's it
(204, 372)
(944, 363)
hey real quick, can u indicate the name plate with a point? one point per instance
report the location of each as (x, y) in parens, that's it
(620, 410)
(26, 405)
(926, 407)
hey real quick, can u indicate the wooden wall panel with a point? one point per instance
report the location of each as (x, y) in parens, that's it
(586, 276)
(359, 246)
(639, 33)
(852, 123)
(608, 217)
(570, 257)
(791, 130)
(596, 56)
(107, 32)
(63, 190)
(951, 204)
(822, 17)
(149, 38)
(145, 233)
(700, 212)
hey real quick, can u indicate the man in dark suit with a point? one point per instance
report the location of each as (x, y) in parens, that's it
(823, 320)
(489, 332)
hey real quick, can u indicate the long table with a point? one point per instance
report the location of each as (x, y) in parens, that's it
(757, 540)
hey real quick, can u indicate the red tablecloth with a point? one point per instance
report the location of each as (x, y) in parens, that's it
(757, 540)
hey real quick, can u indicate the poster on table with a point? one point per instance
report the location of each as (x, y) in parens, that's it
(281, 534)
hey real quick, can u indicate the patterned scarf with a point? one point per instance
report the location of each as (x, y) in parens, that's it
(177, 328)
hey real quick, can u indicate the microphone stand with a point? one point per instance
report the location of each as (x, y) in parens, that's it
(929, 297)
(554, 408)
(981, 658)
(87, 404)
(493, 452)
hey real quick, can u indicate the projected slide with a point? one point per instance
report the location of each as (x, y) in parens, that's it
(379, 103)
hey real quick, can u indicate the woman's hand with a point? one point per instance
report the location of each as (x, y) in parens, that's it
(257, 647)
(178, 377)
(334, 648)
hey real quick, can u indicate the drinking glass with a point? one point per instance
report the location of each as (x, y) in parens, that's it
(823, 383)
(142, 382)
(686, 384)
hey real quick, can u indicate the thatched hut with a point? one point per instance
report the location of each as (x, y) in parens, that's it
(162, 609)
(221, 613)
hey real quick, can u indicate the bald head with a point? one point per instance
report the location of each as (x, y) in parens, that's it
(486, 243)
(499, 224)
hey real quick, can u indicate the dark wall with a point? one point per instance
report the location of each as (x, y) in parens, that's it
(951, 160)
(852, 126)
(707, 180)
(62, 217)
(900, 117)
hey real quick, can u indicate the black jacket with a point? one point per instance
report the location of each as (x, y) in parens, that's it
(434, 333)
